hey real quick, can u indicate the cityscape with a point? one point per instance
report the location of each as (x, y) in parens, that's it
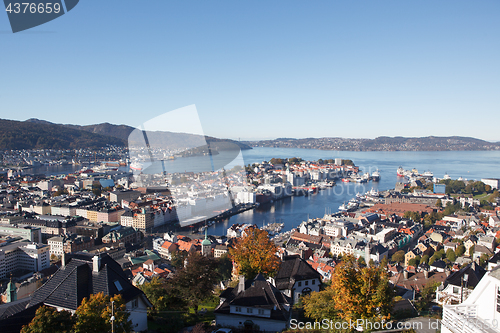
(249, 167)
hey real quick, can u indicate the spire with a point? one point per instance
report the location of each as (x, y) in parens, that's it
(11, 291)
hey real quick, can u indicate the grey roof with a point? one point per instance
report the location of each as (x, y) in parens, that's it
(258, 293)
(292, 269)
(475, 274)
(76, 280)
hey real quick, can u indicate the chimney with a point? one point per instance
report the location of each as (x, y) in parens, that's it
(63, 259)
(241, 284)
(405, 275)
(96, 263)
(426, 273)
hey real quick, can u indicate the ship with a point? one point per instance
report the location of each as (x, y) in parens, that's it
(401, 172)
(376, 176)
(136, 166)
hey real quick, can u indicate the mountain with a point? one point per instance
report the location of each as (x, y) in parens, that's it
(40, 134)
(382, 143)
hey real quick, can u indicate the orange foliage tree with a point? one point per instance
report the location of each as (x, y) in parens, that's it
(255, 253)
(355, 293)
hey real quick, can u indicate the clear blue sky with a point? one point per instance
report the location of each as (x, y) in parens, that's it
(263, 69)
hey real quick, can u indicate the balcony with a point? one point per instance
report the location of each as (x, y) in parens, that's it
(463, 319)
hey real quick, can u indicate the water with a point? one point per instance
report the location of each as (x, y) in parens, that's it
(292, 211)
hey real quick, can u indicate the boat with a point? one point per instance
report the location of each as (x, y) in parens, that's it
(343, 207)
(136, 166)
(376, 176)
(345, 180)
(373, 192)
(446, 176)
(428, 174)
(401, 172)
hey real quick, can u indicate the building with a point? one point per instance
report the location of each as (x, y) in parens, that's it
(479, 312)
(296, 277)
(31, 257)
(86, 274)
(254, 302)
(29, 233)
(493, 182)
(457, 286)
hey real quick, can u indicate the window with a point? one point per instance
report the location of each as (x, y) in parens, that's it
(134, 303)
(249, 310)
(261, 312)
(306, 291)
(238, 309)
(313, 282)
(498, 299)
(300, 284)
(307, 283)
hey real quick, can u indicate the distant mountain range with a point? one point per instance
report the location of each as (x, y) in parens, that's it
(40, 134)
(383, 143)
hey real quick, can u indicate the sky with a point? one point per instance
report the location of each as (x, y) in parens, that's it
(263, 69)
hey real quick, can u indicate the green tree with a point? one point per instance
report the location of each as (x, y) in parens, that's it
(398, 256)
(425, 259)
(439, 203)
(471, 251)
(163, 295)
(355, 293)
(196, 281)
(450, 255)
(225, 266)
(460, 250)
(48, 319)
(178, 258)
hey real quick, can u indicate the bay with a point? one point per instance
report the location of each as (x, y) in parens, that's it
(292, 211)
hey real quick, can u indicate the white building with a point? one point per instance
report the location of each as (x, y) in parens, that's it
(56, 245)
(29, 256)
(480, 313)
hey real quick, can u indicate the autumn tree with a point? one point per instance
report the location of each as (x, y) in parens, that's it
(196, 281)
(48, 319)
(255, 253)
(355, 293)
(94, 313)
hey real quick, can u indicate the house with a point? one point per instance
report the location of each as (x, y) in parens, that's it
(86, 274)
(254, 302)
(167, 248)
(438, 265)
(296, 277)
(410, 255)
(456, 287)
(479, 312)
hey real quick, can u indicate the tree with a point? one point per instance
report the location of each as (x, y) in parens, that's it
(94, 314)
(225, 266)
(178, 258)
(425, 259)
(414, 216)
(162, 294)
(398, 256)
(439, 203)
(450, 255)
(196, 281)
(460, 250)
(48, 319)
(471, 251)
(255, 253)
(355, 293)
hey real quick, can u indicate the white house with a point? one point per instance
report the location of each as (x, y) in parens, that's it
(480, 313)
(254, 303)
